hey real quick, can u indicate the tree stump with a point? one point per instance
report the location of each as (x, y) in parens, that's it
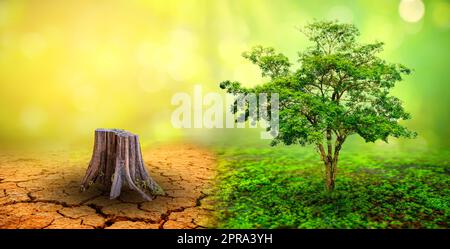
(117, 161)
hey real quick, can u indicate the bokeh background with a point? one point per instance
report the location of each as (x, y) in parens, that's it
(68, 67)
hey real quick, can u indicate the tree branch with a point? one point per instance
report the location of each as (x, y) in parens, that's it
(329, 145)
(322, 152)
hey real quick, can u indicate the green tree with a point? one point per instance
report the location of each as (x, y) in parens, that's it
(341, 87)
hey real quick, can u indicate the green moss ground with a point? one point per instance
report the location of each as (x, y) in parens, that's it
(282, 187)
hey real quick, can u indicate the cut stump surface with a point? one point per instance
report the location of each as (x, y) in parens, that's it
(117, 161)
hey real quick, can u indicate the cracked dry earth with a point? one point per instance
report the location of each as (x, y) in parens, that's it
(43, 192)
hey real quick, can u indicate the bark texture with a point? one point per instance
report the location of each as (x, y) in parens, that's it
(117, 161)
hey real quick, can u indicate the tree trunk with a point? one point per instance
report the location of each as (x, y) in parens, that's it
(330, 173)
(330, 159)
(117, 161)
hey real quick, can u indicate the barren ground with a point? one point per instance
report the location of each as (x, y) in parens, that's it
(43, 192)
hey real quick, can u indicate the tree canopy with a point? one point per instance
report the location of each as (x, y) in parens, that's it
(340, 86)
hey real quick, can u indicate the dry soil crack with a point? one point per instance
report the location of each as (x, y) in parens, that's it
(43, 192)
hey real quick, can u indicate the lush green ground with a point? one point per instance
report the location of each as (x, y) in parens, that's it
(283, 188)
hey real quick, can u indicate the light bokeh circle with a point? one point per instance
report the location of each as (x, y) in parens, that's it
(411, 10)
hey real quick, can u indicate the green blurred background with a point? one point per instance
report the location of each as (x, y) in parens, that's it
(68, 67)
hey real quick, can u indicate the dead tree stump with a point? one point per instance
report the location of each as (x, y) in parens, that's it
(117, 161)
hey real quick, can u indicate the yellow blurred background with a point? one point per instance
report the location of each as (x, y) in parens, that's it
(70, 66)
